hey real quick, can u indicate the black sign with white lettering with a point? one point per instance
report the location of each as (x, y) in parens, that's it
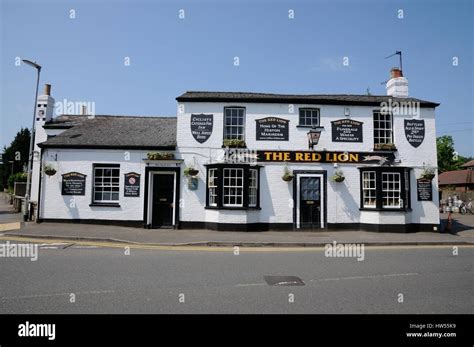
(414, 131)
(74, 183)
(201, 126)
(424, 189)
(272, 129)
(132, 184)
(346, 130)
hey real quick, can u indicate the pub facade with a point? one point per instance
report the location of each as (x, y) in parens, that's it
(249, 162)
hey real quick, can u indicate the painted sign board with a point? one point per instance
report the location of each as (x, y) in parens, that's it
(201, 126)
(73, 183)
(414, 131)
(132, 184)
(272, 129)
(346, 130)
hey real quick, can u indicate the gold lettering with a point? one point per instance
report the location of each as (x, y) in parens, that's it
(268, 155)
(277, 156)
(298, 156)
(287, 156)
(354, 157)
(316, 157)
(328, 158)
(307, 156)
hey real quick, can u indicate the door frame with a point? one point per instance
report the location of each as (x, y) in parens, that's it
(322, 175)
(148, 196)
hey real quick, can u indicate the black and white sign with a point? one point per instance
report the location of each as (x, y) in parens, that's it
(415, 131)
(424, 189)
(346, 130)
(201, 126)
(272, 129)
(74, 183)
(132, 184)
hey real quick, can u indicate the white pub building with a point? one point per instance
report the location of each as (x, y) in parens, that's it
(245, 162)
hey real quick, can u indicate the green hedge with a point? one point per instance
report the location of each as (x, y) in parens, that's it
(18, 177)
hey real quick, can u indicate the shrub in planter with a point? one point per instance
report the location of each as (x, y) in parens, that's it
(190, 171)
(160, 155)
(234, 143)
(385, 146)
(49, 170)
(338, 176)
(18, 177)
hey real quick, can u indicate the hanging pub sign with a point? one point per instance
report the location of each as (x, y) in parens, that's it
(415, 131)
(201, 126)
(272, 129)
(326, 157)
(346, 130)
(131, 187)
(424, 189)
(73, 183)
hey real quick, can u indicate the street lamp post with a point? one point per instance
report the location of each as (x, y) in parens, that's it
(32, 141)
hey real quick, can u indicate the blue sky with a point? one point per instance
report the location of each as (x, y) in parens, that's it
(83, 58)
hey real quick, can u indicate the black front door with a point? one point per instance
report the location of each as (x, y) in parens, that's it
(162, 200)
(310, 202)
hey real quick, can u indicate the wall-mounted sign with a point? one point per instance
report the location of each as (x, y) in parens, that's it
(415, 131)
(132, 184)
(201, 126)
(424, 189)
(346, 130)
(272, 129)
(325, 157)
(74, 183)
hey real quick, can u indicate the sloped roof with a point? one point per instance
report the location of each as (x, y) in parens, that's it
(462, 177)
(118, 132)
(323, 99)
(468, 164)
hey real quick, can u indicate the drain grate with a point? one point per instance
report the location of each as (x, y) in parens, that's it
(283, 281)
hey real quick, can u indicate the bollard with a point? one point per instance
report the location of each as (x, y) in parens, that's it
(449, 224)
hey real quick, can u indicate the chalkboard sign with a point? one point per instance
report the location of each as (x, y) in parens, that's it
(272, 129)
(346, 130)
(414, 131)
(424, 189)
(201, 126)
(74, 183)
(132, 184)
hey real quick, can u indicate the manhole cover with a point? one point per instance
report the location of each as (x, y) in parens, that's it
(283, 281)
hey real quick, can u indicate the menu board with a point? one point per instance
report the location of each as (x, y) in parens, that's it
(73, 183)
(424, 189)
(132, 184)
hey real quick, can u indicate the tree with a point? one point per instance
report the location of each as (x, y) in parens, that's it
(447, 160)
(18, 153)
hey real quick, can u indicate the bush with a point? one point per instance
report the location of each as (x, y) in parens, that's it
(18, 177)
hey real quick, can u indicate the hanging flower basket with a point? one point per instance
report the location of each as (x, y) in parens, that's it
(338, 176)
(234, 143)
(428, 173)
(190, 171)
(385, 146)
(49, 170)
(287, 175)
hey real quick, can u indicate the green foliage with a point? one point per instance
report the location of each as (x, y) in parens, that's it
(17, 152)
(190, 171)
(446, 158)
(160, 155)
(234, 143)
(18, 177)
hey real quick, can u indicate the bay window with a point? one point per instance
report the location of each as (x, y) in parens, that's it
(385, 188)
(232, 186)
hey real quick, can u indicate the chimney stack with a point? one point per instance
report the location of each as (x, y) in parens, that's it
(397, 85)
(83, 110)
(47, 89)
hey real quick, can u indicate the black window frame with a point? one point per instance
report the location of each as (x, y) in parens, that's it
(220, 186)
(111, 203)
(405, 182)
(224, 128)
(300, 125)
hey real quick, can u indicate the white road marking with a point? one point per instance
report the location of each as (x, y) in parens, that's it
(363, 277)
(57, 294)
(47, 247)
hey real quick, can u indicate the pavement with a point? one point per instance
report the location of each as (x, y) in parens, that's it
(10, 226)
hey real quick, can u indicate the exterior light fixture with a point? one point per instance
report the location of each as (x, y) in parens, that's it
(313, 136)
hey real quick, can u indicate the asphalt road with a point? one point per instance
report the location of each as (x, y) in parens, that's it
(105, 280)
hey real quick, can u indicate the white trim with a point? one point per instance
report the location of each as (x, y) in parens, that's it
(150, 195)
(321, 196)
